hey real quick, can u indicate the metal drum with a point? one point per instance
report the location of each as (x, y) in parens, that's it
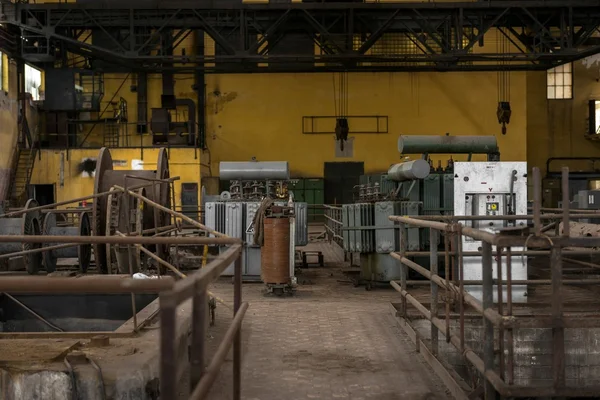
(276, 251)
(121, 211)
(106, 178)
(82, 252)
(28, 224)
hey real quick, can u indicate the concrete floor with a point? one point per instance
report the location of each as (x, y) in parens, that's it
(331, 340)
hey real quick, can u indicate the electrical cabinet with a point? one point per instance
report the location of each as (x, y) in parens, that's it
(491, 189)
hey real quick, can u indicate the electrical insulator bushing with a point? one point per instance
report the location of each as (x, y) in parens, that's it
(430, 144)
(254, 170)
(408, 171)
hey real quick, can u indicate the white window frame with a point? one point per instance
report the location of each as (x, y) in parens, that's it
(559, 82)
(33, 81)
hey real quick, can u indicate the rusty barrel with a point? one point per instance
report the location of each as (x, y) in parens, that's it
(276, 251)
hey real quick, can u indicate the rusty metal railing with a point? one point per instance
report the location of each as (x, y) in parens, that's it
(195, 287)
(497, 365)
(334, 224)
(172, 294)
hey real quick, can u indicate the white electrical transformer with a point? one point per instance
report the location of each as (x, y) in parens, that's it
(491, 188)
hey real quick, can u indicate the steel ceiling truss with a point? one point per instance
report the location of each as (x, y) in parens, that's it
(349, 36)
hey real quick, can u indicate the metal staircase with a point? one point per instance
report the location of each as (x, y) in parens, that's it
(23, 164)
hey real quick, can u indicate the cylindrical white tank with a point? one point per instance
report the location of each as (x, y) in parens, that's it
(254, 170)
(407, 171)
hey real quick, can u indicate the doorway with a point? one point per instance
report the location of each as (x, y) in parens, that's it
(43, 194)
(340, 180)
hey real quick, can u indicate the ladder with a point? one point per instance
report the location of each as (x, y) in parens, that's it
(22, 175)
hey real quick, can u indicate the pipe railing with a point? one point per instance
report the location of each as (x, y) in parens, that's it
(497, 366)
(333, 223)
(192, 287)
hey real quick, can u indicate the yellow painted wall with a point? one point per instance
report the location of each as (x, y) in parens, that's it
(261, 115)
(47, 170)
(9, 128)
(557, 128)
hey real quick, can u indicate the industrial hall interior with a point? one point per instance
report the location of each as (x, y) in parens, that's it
(299, 199)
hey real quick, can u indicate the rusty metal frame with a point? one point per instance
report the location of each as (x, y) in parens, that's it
(171, 295)
(500, 317)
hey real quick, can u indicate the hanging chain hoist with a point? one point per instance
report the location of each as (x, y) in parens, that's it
(503, 112)
(340, 100)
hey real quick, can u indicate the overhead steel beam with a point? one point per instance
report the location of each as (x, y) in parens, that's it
(543, 33)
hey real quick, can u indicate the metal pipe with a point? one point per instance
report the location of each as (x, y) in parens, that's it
(127, 240)
(488, 303)
(178, 214)
(237, 341)
(509, 309)
(474, 233)
(575, 252)
(433, 269)
(469, 299)
(558, 332)
(36, 315)
(537, 201)
(254, 170)
(430, 144)
(87, 284)
(38, 250)
(565, 201)
(78, 199)
(532, 282)
(499, 217)
(473, 358)
(500, 303)
(410, 170)
(212, 371)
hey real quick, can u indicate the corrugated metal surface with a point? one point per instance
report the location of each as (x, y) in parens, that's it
(386, 186)
(432, 194)
(412, 208)
(386, 240)
(251, 209)
(411, 190)
(234, 219)
(448, 193)
(301, 212)
(215, 216)
(358, 216)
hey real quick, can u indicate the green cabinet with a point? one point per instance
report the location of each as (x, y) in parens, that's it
(314, 184)
(311, 191)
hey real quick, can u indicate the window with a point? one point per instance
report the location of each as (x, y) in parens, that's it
(594, 117)
(560, 82)
(33, 81)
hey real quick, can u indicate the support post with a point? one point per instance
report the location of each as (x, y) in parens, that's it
(199, 304)
(237, 344)
(433, 268)
(403, 268)
(558, 332)
(168, 354)
(488, 302)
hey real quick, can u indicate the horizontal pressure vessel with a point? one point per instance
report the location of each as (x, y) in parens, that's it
(419, 144)
(407, 171)
(254, 170)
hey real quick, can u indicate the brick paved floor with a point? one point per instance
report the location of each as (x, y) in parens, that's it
(329, 341)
